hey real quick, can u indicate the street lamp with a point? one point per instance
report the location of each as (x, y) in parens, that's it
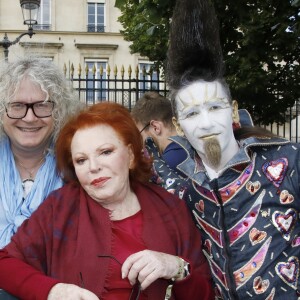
(30, 10)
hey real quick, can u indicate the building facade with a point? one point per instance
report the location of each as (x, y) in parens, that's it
(83, 38)
(82, 33)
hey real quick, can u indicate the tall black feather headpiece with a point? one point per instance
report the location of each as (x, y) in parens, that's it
(194, 50)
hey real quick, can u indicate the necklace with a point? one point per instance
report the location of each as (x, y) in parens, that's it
(30, 171)
(27, 183)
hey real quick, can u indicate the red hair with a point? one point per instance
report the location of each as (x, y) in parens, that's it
(110, 114)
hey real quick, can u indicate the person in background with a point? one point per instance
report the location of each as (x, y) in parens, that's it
(243, 183)
(107, 233)
(35, 101)
(153, 116)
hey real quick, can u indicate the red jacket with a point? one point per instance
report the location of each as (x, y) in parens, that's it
(65, 234)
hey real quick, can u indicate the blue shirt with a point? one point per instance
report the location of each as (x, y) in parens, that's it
(173, 155)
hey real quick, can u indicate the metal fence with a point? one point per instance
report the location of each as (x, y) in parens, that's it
(127, 86)
(121, 86)
(291, 128)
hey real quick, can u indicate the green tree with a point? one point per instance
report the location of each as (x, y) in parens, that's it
(260, 40)
(146, 24)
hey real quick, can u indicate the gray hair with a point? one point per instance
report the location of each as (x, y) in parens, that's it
(51, 80)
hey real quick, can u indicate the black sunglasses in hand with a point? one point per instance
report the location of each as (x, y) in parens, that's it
(136, 289)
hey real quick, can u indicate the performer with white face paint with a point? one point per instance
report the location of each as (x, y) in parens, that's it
(204, 115)
(242, 184)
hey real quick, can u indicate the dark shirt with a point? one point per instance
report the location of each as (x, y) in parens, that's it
(173, 155)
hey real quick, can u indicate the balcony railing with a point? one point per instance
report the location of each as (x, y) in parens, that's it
(41, 27)
(95, 28)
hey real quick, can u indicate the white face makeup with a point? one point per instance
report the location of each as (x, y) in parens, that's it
(204, 113)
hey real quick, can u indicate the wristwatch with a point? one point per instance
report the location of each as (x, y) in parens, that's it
(183, 272)
(186, 268)
(183, 269)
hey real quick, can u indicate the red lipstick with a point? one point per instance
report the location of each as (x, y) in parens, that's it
(99, 181)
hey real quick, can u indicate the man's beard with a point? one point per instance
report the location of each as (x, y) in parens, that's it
(213, 152)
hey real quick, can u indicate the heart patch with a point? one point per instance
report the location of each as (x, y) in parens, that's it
(256, 236)
(275, 170)
(200, 206)
(285, 222)
(296, 241)
(260, 285)
(253, 187)
(289, 271)
(285, 197)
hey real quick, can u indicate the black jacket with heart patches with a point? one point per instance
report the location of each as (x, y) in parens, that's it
(248, 216)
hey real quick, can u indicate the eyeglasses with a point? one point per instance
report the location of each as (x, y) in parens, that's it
(147, 125)
(18, 110)
(136, 289)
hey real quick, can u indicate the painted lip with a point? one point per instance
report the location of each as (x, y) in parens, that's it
(100, 181)
(209, 136)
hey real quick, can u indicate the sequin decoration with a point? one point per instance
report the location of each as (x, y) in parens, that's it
(289, 271)
(260, 285)
(275, 170)
(200, 206)
(253, 187)
(243, 274)
(214, 233)
(231, 190)
(285, 197)
(296, 241)
(257, 236)
(285, 222)
(207, 247)
(246, 222)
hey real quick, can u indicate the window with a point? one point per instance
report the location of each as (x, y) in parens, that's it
(96, 81)
(44, 16)
(96, 17)
(148, 77)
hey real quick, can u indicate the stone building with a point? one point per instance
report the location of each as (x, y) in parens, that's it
(78, 32)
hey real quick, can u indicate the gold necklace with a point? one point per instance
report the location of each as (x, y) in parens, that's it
(30, 171)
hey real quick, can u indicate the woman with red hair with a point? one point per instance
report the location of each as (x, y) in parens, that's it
(107, 233)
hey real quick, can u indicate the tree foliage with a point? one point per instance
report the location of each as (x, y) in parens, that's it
(260, 40)
(146, 24)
